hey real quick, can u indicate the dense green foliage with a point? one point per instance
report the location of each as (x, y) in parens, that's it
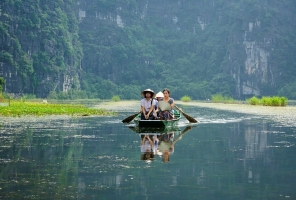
(219, 98)
(147, 54)
(154, 52)
(2, 81)
(289, 90)
(99, 49)
(71, 94)
(40, 38)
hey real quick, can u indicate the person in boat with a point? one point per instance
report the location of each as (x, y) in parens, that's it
(149, 145)
(167, 114)
(159, 96)
(147, 105)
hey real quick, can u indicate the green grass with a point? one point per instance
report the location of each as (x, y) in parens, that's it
(19, 108)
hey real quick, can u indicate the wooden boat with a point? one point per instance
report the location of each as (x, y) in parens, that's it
(158, 123)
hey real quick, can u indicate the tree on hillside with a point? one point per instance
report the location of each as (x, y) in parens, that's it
(2, 81)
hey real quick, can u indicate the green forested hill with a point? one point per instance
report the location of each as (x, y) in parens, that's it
(99, 48)
(39, 45)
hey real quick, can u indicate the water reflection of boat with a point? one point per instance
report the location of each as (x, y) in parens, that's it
(159, 141)
(156, 130)
(158, 123)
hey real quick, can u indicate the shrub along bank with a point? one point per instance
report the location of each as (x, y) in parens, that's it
(268, 101)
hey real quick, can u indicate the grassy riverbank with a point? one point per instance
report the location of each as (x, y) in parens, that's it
(19, 108)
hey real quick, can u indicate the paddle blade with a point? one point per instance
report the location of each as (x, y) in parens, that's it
(189, 118)
(130, 118)
(133, 128)
(186, 129)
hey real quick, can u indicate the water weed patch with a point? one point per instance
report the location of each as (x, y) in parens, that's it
(18, 108)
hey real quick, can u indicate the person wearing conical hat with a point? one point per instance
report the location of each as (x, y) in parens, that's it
(147, 105)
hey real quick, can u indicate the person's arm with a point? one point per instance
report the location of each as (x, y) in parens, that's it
(143, 140)
(178, 138)
(151, 108)
(172, 102)
(150, 141)
(143, 110)
(155, 140)
(156, 106)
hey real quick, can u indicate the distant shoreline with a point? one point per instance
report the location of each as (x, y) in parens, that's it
(245, 108)
(133, 105)
(285, 114)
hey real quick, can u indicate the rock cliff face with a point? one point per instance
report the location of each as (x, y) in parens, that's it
(39, 47)
(255, 70)
(254, 29)
(247, 40)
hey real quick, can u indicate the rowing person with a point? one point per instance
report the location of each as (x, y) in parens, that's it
(148, 105)
(168, 113)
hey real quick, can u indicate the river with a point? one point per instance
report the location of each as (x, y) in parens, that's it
(225, 156)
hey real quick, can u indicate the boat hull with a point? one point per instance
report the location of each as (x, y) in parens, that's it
(156, 123)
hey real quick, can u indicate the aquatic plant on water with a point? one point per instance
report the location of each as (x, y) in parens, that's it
(19, 108)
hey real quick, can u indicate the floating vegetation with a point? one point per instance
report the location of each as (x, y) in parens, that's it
(19, 108)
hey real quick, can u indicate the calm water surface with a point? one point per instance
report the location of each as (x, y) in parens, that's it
(226, 156)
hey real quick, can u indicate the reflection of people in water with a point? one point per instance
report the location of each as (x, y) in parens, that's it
(149, 145)
(166, 144)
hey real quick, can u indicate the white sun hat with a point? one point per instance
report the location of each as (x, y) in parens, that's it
(159, 94)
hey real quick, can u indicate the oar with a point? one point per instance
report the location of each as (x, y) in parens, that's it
(130, 118)
(186, 129)
(183, 133)
(189, 118)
